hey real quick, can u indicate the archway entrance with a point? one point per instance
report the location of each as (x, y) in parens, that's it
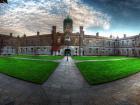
(67, 52)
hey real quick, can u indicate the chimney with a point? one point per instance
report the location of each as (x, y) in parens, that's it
(82, 31)
(124, 35)
(53, 29)
(117, 37)
(38, 33)
(11, 34)
(111, 36)
(18, 36)
(81, 28)
(24, 35)
(97, 34)
(54, 35)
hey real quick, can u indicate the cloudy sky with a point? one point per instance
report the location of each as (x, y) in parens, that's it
(116, 17)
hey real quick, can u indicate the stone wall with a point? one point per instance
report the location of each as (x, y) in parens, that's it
(128, 46)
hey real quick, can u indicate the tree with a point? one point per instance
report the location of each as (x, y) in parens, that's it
(3, 1)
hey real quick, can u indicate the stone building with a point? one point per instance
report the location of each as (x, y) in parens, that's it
(70, 43)
(126, 46)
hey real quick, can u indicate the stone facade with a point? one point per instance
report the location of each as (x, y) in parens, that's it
(52, 44)
(80, 44)
(127, 46)
(70, 43)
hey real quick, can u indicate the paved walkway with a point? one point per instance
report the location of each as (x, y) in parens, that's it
(66, 86)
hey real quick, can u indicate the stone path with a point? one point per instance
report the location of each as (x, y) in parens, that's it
(66, 86)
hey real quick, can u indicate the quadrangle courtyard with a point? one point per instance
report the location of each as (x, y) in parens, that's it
(82, 80)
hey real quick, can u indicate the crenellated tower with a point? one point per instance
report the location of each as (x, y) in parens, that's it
(68, 25)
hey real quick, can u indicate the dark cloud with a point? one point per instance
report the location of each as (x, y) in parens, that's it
(124, 13)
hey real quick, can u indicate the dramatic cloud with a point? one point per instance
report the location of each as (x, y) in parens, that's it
(30, 16)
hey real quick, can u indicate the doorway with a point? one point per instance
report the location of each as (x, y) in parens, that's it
(67, 52)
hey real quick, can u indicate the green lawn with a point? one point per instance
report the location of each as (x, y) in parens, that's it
(46, 57)
(33, 71)
(97, 57)
(102, 71)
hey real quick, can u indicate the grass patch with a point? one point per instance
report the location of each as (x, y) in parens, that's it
(102, 72)
(33, 71)
(97, 57)
(45, 57)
